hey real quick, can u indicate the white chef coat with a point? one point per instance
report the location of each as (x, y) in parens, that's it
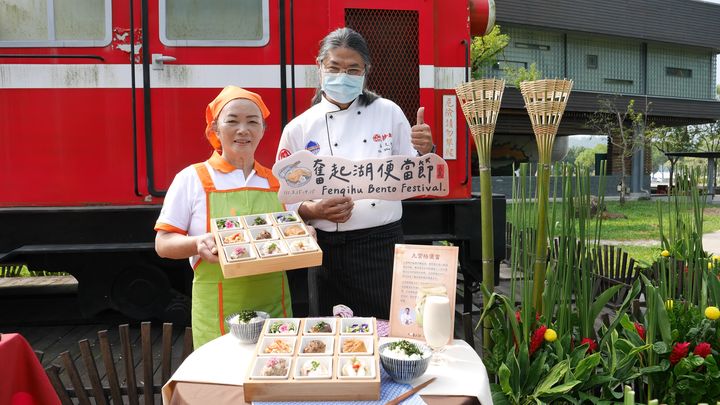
(358, 132)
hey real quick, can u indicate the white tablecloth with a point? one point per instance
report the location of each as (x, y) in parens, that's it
(225, 361)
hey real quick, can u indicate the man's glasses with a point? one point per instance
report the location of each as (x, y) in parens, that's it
(350, 71)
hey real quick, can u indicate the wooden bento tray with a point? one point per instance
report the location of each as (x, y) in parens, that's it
(328, 389)
(256, 263)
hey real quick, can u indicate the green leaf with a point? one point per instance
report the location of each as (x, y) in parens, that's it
(555, 374)
(504, 376)
(696, 360)
(586, 366)
(562, 388)
(602, 300)
(498, 396)
(660, 348)
(537, 370)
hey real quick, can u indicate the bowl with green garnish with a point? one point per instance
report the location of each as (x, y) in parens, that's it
(246, 325)
(404, 360)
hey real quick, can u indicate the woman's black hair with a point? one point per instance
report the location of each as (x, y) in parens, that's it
(346, 38)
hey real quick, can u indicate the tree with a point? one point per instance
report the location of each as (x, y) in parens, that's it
(586, 158)
(624, 127)
(484, 51)
(573, 153)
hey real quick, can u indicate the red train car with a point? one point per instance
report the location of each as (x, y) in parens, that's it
(102, 102)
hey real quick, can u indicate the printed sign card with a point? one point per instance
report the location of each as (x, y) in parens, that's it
(420, 271)
(304, 176)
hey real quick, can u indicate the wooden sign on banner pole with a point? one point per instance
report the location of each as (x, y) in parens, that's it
(420, 271)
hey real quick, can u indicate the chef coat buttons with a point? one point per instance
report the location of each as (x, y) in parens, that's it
(335, 144)
(358, 112)
(365, 140)
(373, 204)
(331, 117)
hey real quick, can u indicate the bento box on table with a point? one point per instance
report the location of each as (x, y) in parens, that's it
(315, 359)
(264, 243)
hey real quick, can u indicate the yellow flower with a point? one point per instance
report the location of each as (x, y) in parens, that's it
(550, 335)
(669, 305)
(710, 266)
(712, 313)
(716, 258)
(665, 253)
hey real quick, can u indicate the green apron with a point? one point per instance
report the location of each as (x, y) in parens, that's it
(213, 296)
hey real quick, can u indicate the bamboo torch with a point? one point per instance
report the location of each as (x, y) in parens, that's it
(545, 101)
(480, 101)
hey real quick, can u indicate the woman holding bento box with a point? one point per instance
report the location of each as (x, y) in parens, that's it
(230, 183)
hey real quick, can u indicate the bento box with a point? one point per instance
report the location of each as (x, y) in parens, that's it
(264, 243)
(311, 359)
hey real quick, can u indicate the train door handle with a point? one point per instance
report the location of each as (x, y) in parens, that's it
(158, 61)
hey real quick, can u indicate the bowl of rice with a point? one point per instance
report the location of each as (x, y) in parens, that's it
(246, 325)
(403, 360)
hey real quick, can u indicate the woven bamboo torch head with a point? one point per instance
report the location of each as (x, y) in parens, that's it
(480, 101)
(545, 101)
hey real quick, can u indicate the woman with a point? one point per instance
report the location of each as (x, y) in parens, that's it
(357, 238)
(230, 183)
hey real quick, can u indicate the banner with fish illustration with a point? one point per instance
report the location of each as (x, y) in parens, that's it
(304, 176)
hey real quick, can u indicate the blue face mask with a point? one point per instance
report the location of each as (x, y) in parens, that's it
(342, 87)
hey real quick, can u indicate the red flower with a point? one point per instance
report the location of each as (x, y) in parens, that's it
(679, 351)
(703, 349)
(592, 346)
(538, 337)
(517, 316)
(640, 329)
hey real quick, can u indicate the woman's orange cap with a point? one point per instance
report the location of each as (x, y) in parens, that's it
(213, 109)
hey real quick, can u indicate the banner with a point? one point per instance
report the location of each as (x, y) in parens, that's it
(304, 176)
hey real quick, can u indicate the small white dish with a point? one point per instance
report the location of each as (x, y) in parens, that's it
(227, 223)
(345, 364)
(302, 245)
(264, 233)
(274, 326)
(345, 341)
(272, 248)
(318, 326)
(262, 362)
(313, 368)
(272, 346)
(234, 236)
(285, 217)
(293, 230)
(356, 326)
(305, 341)
(257, 220)
(241, 252)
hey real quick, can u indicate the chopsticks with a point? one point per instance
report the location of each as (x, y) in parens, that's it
(407, 395)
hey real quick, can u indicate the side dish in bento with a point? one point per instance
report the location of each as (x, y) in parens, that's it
(355, 367)
(278, 346)
(235, 237)
(294, 230)
(314, 368)
(239, 252)
(275, 367)
(354, 346)
(227, 223)
(315, 346)
(285, 217)
(321, 327)
(281, 327)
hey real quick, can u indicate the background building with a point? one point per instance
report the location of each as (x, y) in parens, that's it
(659, 52)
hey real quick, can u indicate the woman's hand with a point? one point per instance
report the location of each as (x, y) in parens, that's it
(335, 209)
(206, 248)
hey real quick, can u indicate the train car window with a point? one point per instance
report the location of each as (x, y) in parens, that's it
(55, 23)
(216, 23)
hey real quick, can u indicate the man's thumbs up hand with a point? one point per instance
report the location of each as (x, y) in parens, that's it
(420, 134)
